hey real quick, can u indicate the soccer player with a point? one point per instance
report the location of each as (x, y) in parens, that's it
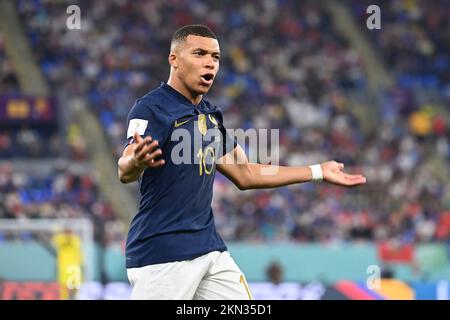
(173, 250)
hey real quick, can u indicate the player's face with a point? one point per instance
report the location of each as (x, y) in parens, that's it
(198, 63)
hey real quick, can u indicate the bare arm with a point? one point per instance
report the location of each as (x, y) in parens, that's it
(245, 175)
(137, 157)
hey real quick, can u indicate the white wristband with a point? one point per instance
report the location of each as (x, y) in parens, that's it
(317, 174)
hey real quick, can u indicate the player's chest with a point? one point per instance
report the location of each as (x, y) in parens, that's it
(195, 140)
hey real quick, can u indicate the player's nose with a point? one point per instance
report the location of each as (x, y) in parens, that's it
(209, 63)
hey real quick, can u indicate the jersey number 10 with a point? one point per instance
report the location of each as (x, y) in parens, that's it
(202, 165)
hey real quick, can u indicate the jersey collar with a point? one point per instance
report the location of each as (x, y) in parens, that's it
(178, 95)
(202, 107)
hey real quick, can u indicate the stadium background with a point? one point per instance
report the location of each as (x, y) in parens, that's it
(377, 100)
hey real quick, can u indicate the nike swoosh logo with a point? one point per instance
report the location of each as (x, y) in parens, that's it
(177, 124)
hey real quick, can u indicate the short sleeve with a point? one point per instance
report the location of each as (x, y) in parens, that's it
(147, 121)
(229, 143)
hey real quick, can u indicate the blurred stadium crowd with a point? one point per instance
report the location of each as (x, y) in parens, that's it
(68, 191)
(285, 67)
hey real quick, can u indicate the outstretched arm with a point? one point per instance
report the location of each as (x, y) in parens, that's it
(235, 166)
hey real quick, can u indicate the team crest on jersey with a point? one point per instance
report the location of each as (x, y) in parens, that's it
(201, 123)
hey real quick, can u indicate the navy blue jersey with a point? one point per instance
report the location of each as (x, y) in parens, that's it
(175, 219)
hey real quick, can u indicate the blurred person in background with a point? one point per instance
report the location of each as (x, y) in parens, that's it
(69, 262)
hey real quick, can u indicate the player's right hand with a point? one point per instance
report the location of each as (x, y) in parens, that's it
(146, 151)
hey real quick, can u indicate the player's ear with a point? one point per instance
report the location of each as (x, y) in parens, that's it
(173, 60)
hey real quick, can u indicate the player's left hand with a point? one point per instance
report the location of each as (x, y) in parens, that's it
(332, 173)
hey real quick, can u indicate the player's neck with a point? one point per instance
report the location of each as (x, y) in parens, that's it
(178, 86)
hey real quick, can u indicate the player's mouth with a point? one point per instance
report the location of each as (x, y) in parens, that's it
(207, 79)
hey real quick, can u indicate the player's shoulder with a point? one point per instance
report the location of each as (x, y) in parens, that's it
(151, 99)
(149, 104)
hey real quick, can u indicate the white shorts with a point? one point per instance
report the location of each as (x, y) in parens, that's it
(213, 276)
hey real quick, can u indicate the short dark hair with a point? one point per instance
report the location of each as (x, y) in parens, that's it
(192, 29)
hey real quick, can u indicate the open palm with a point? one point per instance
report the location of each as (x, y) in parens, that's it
(332, 173)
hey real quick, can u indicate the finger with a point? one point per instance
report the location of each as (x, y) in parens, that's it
(151, 156)
(340, 165)
(141, 145)
(354, 179)
(153, 146)
(137, 138)
(157, 164)
(149, 148)
(146, 149)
